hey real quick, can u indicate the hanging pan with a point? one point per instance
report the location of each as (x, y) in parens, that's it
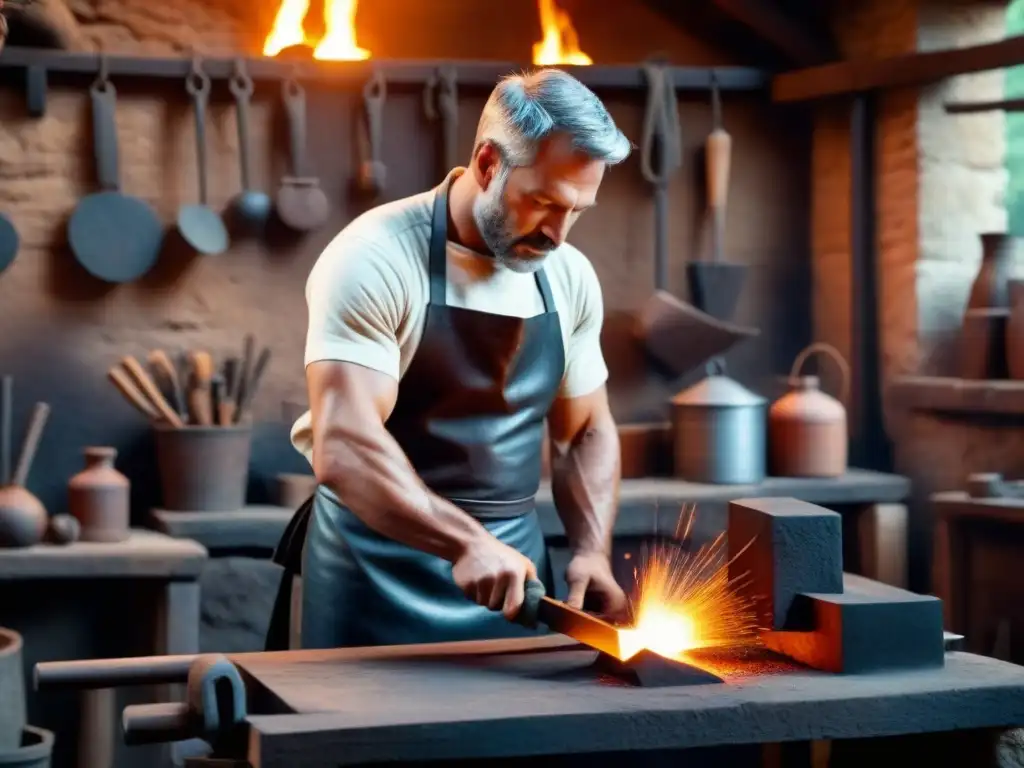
(116, 238)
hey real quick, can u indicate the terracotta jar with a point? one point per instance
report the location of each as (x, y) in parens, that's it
(98, 497)
(999, 254)
(807, 432)
(1015, 331)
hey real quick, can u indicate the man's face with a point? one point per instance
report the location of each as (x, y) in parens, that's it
(525, 213)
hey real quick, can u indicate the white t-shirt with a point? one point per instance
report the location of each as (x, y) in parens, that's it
(368, 294)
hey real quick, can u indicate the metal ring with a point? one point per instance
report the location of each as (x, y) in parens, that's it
(240, 83)
(197, 83)
(291, 88)
(102, 82)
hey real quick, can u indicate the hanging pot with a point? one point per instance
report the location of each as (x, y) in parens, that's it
(807, 432)
(719, 431)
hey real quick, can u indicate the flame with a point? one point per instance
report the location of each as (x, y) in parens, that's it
(560, 43)
(686, 601)
(338, 42)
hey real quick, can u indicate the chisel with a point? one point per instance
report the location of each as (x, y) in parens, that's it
(589, 630)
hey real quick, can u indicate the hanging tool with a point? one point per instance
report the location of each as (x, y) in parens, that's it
(715, 285)
(373, 173)
(200, 225)
(115, 237)
(441, 104)
(676, 334)
(251, 206)
(301, 203)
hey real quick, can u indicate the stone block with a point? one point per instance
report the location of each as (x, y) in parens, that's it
(787, 547)
(870, 627)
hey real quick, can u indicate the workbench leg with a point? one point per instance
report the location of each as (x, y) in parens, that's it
(882, 543)
(98, 728)
(949, 569)
(177, 632)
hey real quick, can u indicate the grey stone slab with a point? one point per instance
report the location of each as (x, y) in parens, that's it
(146, 554)
(254, 527)
(869, 627)
(785, 547)
(377, 710)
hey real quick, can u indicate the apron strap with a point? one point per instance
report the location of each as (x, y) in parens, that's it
(437, 267)
(288, 555)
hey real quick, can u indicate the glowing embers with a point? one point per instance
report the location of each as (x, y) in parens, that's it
(685, 599)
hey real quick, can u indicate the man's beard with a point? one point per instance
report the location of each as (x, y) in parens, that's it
(492, 220)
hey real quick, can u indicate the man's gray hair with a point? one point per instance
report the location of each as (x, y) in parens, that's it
(525, 109)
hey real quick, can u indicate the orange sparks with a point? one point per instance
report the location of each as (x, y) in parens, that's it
(338, 42)
(686, 601)
(559, 42)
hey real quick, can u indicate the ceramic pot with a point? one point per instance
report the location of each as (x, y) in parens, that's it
(23, 518)
(35, 750)
(807, 431)
(12, 690)
(1015, 331)
(204, 469)
(983, 344)
(98, 497)
(999, 254)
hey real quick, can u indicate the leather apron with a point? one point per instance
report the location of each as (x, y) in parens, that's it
(469, 415)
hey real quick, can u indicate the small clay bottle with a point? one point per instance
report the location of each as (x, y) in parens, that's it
(98, 497)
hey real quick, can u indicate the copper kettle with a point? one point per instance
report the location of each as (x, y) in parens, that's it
(807, 430)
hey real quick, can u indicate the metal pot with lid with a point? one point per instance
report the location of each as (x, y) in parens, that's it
(719, 429)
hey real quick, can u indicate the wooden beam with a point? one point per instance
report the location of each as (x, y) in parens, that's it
(972, 107)
(912, 69)
(800, 44)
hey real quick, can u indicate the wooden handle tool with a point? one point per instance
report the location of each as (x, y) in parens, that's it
(151, 391)
(229, 402)
(252, 385)
(221, 400)
(30, 444)
(165, 370)
(200, 396)
(718, 156)
(131, 393)
(245, 375)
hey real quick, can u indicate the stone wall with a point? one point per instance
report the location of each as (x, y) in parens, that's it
(940, 182)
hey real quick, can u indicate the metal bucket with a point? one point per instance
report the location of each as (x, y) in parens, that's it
(34, 750)
(203, 469)
(12, 690)
(719, 432)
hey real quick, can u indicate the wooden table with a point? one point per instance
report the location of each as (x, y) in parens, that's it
(968, 532)
(476, 701)
(65, 602)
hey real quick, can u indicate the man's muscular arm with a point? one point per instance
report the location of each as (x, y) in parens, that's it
(585, 474)
(357, 458)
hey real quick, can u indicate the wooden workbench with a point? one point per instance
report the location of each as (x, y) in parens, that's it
(421, 703)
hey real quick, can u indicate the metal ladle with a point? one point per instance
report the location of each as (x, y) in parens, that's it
(251, 206)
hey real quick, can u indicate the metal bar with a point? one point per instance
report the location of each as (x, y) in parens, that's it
(94, 674)
(156, 723)
(869, 446)
(468, 73)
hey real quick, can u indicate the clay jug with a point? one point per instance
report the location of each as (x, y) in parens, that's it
(98, 497)
(1015, 331)
(807, 433)
(999, 253)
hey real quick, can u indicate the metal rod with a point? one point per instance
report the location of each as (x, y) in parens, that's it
(397, 72)
(94, 674)
(156, 723)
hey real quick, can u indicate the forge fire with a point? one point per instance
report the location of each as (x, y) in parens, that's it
(559, 43)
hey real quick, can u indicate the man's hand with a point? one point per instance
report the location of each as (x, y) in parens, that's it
(591, 573)
(494, 575)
